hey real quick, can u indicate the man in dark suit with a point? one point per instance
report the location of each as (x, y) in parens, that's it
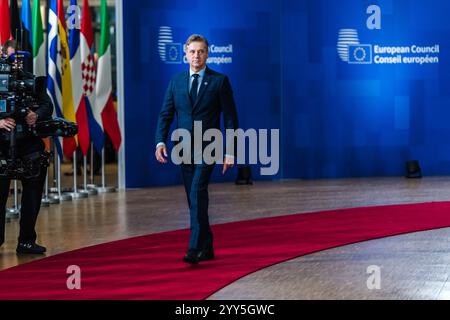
(199, 94)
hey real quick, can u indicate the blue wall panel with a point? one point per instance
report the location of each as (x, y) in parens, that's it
(252, 29)
(336, 119)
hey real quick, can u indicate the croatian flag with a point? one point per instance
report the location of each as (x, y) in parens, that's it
(77, 85)
(88, 72)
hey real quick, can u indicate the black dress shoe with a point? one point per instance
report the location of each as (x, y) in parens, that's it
(191, 257)
(30, 248)
(205, 255)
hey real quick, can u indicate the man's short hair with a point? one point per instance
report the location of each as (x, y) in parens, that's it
(10, 44)
(196, 38)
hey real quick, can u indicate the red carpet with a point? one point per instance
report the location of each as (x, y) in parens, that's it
(150, 267)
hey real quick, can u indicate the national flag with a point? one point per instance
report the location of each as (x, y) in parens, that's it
(15, 25)
(85, 116)
(26, 35)
(69, 144)
(89, 77)
(26, 26)
(77, 83)
(5, 28)
(38, 41)
(104, 106)
(54, 85)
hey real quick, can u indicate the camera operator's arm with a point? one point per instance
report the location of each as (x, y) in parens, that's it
(45, 106)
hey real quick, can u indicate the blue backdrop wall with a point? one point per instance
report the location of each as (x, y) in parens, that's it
(353, 112)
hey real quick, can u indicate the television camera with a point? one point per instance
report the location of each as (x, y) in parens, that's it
(18, 95)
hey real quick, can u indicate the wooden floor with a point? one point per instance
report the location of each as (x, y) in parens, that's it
(413, 266)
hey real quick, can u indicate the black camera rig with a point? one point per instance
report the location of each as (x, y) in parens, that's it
(18, 96)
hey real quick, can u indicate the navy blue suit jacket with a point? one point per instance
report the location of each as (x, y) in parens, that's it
(214, 97)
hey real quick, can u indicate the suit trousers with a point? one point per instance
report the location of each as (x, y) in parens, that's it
(30, 205)
(196, 178)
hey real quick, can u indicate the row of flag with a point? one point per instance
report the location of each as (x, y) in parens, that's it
(79, 87)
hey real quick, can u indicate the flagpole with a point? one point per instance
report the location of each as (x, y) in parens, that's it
(92, 165)
(76, 194)
(104, 188)
(48, 200)
(103, 168)
(45, 202)
(84, 172)
(62, 196)
(86, 189)
(54, 189)
(92, 185)
(54, 199)
(14, 211)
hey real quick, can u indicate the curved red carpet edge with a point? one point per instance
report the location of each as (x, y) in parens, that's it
(150, 267)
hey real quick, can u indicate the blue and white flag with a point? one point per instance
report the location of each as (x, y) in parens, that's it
(54, 85)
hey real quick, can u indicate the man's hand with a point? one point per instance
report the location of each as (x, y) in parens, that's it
(161, 154)
(228, 162)
(31, 118)
(7, 124)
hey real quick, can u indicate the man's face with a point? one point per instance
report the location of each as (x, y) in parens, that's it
(10, 51)
(197, 53)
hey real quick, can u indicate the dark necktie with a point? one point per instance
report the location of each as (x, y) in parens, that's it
(194, 88)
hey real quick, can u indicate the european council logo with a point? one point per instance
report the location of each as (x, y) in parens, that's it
(346, 38)
(360, 54)
(173, 53)
(169, 52)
